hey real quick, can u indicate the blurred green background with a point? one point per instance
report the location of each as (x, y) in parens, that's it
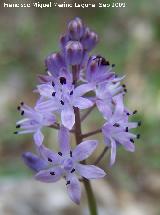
(129, 37)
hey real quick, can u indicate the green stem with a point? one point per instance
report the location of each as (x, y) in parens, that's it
(91, 199)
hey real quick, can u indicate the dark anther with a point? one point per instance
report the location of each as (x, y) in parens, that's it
(124, 86)
(62, 80)
(138, 136)
(70, 153)
(116, 125)
(60, 153)
(139, 123)
(135, 111)
(54, 93)
(18, 108)
(52, 173)
(71, 93)
(22, 103)
(49, 159)
(126, 129)
(132, 140)
(113, 65)
(73, 170)
(22, 113)
(73, 82)
(16, 132)
(125, 90)
(53, 84)
(68, 182)
(62, 102)
(104, 62)
(128, 114)
(18, 126)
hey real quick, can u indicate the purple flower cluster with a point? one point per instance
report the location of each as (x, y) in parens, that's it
(75, 81)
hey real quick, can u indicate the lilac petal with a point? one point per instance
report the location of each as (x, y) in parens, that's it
(113, 152)
(38, 137)
(64, 140)
(50, 175)
(90, 171)
(129, 146)
(45, 90)
(74, 188)
(124, 136)
(119, 107)
(33, 161)
(82, 89)
(47, 106)
(68, 117)
(104, 108)
(49, 119)
(82, 103)
(48, 154)
(84, 150)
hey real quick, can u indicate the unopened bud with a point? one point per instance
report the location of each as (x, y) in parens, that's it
(89, 40)
(54, 63)
(75, 29)
(74, 53)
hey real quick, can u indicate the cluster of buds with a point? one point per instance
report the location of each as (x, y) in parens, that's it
(75, 81)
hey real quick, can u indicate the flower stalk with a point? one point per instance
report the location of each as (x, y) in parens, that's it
(79, 138)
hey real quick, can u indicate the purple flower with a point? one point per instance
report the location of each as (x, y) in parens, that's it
(116, 129)
(33, 122)
(62, 96)
(65, 163)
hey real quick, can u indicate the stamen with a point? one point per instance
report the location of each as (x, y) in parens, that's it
(18, 108)
(49, 159)
(135, 111)
(138, 136)
(73, 170)
(22, 103)
(60, 153)
(52, 173)
(15, 132)
(123, 85)
(105, 62)
(53, 84)
(54, 93)
(125, 90)
(128, 114)
(132, 140)
(139, 123)
(62, 80)
(71, 93)
(113, 65)
(70, 153)
(73, 82)
(68, 182)
(22, 113)
(18, 126)
(62, 102)
(126, 129)
(116, 125)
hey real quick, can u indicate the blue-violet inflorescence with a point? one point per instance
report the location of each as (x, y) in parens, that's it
(76, 81)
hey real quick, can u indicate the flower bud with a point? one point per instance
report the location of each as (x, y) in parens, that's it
(54, 63)
(74, 52)
(63, 41)
(75, 29)
(89, 40)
